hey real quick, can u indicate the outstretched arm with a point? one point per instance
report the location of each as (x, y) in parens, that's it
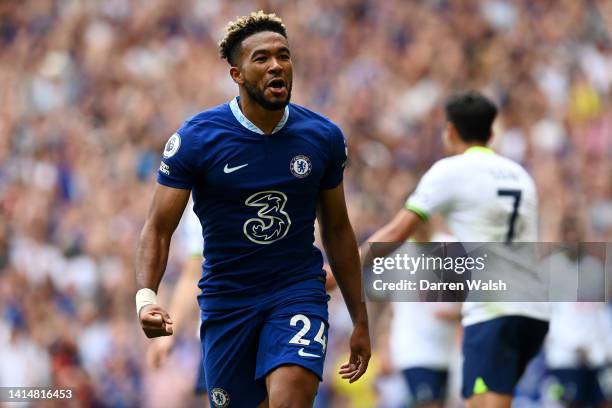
(395, 232)
(152, 255)
(341, 249)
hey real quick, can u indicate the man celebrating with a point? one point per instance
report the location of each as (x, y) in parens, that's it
(260, 169)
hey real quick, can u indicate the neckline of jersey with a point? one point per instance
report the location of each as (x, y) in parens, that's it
(245, 122)
(480, 149)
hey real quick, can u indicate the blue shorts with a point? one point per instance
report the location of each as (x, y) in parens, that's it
(426, 385)
(575, 387)
(242, 346)
(496, 353)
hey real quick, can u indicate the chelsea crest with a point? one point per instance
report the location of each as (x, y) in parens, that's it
(219, 397)
(300, 166)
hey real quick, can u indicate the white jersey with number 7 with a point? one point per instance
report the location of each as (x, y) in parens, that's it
(484, 197)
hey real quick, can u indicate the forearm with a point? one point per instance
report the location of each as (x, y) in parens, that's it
(341, 248)
(151, 257)
(386, 239)
(390, 237)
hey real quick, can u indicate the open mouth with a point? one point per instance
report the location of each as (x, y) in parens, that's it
(277, 84)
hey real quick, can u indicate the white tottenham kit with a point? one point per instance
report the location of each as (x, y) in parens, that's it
(420, 337)
(580, 334)
(422, 326)
(484, 197)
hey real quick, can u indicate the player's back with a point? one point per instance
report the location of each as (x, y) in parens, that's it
(493, 199)
(484, 197)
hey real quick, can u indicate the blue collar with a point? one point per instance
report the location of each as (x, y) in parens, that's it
(244, 121)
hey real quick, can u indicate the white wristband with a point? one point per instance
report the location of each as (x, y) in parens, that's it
(145, 296)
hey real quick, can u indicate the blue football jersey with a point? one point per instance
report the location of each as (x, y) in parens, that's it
(256, 198)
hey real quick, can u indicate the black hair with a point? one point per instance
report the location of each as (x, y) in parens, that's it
(472, 114)
(245, 26)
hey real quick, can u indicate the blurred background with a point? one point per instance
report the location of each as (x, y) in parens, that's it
(91, 90)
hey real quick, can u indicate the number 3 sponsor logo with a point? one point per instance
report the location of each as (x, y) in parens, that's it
(272, 222)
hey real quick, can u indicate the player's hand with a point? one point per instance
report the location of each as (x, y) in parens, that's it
(158, 351)
(360, 354)
(155, 321)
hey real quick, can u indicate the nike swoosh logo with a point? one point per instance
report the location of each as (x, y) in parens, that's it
(228, 169)
(302, 353)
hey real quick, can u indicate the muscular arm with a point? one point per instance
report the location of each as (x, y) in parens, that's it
(341, 248)
(396, 231)
(152, 254)
(164, 215)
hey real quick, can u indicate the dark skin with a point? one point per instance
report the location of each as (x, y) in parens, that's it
(341, 249)
(164, 215)
(264, 67)
(263, 58)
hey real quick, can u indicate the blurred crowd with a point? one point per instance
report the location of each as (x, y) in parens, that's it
(91, 90)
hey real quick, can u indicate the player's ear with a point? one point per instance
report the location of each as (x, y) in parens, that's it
(450, 138)
(236, 75)
(446, 135)
(453, 134)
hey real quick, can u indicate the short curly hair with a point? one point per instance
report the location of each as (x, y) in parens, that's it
(245, 26)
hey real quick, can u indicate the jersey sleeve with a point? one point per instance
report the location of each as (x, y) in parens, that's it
(334, 171)
(178, 162)
(433, 193)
